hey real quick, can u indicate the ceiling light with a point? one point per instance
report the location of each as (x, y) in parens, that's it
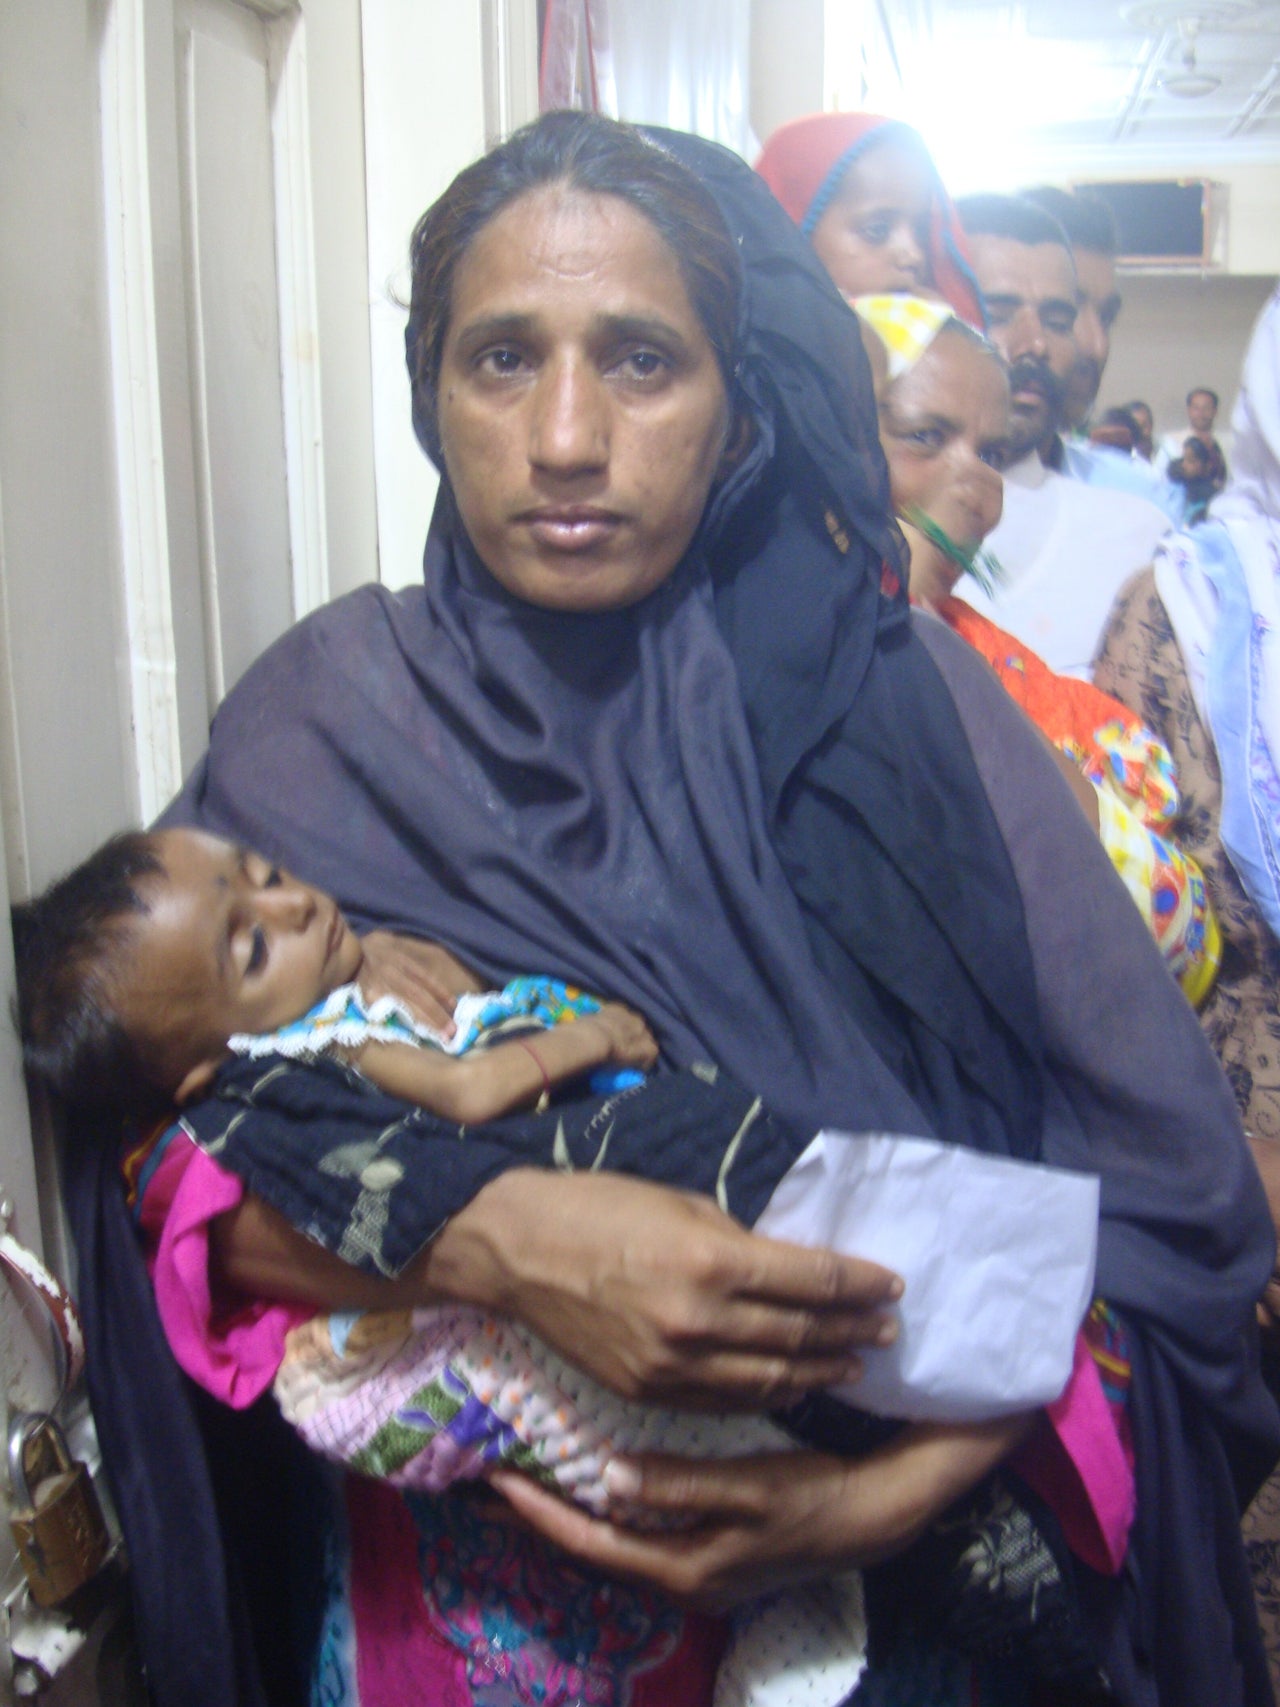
(1190, 83)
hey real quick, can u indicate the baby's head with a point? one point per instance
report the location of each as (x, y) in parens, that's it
(135, 969)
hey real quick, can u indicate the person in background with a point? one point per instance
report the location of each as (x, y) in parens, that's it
(1141, 413)
(1202, 412)
(865, 192)
(1116, 429)
(1192, 647)
(1091, 231)
(1196, 473)
(944, 410)
(1064, 546)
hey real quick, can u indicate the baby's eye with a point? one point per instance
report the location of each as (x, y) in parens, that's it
(995, 456)
(257, 950)
(875, 231)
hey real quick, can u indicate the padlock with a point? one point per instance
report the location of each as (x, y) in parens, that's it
(56, 1520)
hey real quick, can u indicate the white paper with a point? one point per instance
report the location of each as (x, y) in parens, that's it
(997, 1255)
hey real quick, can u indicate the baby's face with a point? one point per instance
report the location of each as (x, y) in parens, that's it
(230, 943)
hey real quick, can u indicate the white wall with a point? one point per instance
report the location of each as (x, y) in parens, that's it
(1175, 333)
(427, 69)
(787, 69)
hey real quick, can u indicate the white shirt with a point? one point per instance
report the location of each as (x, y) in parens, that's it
(1066, 549)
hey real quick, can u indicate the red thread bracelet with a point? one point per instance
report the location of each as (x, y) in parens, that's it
(540, 1107)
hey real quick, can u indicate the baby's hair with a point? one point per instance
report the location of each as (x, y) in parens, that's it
(71, 945)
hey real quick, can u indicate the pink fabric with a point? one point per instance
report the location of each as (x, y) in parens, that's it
(1076, 1463)
(232, 1353)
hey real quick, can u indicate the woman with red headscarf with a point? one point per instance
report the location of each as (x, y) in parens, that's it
(865, 192)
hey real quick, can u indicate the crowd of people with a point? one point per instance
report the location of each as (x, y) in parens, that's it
(814, 720)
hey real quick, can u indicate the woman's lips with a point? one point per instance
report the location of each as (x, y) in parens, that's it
(571, 528)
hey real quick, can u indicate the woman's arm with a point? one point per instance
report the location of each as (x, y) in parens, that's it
(655, 1292)
(488, 1083)
(764, 1521)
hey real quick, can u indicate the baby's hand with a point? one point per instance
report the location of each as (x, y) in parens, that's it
(630, 1040)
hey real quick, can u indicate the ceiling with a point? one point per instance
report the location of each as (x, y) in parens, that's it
(1076, 85)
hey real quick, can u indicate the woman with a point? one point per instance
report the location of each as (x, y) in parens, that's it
(659, 720)
(944, 412)
(866, 194)
(1190, 646)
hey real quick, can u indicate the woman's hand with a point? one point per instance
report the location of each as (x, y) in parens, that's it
(421, 974)
(932, 574)
(772, 1518)
(657, 1293)
(628, 1039)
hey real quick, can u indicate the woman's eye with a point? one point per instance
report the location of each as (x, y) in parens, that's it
(995, 456)
(641, 364)
(257, 950)
(273, 878)
(502, 362)
(925, 438)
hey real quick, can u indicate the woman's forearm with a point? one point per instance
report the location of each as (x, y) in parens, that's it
(752, 1524)
(655, 1292)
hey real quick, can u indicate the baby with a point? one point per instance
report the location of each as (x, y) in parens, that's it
(146, 968)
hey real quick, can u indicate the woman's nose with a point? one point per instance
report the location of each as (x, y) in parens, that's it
(569, 431)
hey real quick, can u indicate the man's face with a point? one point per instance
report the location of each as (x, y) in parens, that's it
(1201, 410)
(1030, 292)
(1097, 305)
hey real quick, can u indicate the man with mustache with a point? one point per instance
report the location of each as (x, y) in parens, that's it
(1091, 231)
(1065, 547)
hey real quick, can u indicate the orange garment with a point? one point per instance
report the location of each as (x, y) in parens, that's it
(1068, 710)
(1133, 776)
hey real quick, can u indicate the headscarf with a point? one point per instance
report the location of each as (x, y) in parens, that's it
(1220, 584)
(905, 325)
(804, 162)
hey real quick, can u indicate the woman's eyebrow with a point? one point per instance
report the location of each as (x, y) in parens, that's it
(495, 327)
(639, 328)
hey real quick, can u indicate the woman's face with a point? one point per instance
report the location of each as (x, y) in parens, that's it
(944, 427)
(873, 236)
(581, 407)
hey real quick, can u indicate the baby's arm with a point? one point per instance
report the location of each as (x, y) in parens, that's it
(488, 1083)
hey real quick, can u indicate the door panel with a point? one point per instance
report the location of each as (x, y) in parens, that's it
(229, 211)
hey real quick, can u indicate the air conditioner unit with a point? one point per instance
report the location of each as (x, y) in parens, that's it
(1166, 222)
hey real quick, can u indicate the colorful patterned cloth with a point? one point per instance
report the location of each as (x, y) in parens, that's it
(345, 1020)
(1133, 773)
(905, 325)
